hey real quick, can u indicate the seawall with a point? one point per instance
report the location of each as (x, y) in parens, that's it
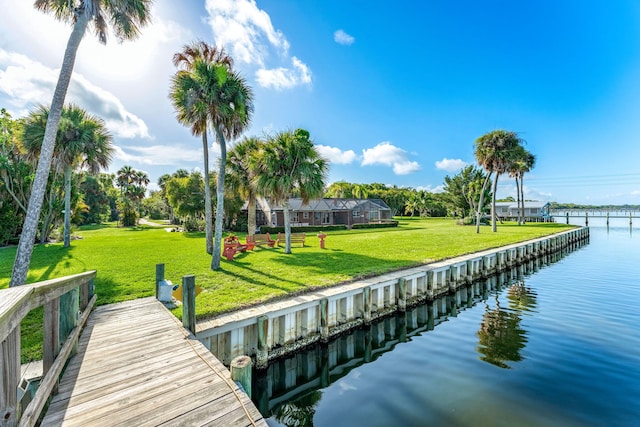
(275, 329)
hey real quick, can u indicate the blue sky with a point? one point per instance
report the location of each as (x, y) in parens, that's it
(391, 92)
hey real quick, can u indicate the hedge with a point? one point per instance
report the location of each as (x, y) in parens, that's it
(305, 229)
(381, 225)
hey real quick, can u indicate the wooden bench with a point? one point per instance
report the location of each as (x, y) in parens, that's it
(295, 238)
(259, 240)
(230, 249)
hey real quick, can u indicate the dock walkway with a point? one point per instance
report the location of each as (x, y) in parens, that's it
(136, 365)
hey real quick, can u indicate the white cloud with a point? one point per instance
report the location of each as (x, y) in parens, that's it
(430, 189)
(388, 154)
(343, 38)
(247, 32)
(26, 83)
(336, 155)
(156, 155)
(284, 78)
(450, 165)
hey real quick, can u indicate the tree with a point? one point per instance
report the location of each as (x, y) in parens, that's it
(82, 141)
(288, 162)
(462, 191)
(16, 176)
(212, 92)
(522, 162)
(185, 197)
(241, 173)
(493, 152)
(96, 198)
(190, 94)
(132, 185)
(126, 18)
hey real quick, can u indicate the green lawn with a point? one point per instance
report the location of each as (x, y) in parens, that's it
(125, 259)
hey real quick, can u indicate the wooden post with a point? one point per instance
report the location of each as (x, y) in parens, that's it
(366, 297)
(9, 378)
(241, 372)
(324, 319)
(51, 332)
(586, 218)
(402, 295)
(262, 354)
(567, 217)
(69, 308)
(430, 284)
(469, 272)
(159, 278)
(189, 302)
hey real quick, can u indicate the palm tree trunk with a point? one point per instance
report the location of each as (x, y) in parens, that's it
(522, 195)
(481, 202)
(517, 200)
(25, 245)
(217, 242)
(251, 214)
(287, 226)
(67, 206)
(494, 227)
(208, 210)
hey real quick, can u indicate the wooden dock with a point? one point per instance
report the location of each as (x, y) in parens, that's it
(137, 366)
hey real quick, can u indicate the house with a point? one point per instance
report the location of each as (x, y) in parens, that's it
(533, 211)
(323, 212)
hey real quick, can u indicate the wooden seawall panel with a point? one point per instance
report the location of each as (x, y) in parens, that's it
(137, 366)
(274, 329)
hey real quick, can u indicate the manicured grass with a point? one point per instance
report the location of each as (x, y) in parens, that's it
(125, 259)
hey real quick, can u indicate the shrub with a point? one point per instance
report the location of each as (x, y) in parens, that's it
(380, 225)
(471, 220)
(191, 224)
(306, 229)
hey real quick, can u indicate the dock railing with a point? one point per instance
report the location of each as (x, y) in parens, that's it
(67, 303)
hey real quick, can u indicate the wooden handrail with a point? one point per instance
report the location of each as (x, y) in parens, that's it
(15, 304)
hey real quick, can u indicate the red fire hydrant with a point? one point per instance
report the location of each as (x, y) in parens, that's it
(321, 236)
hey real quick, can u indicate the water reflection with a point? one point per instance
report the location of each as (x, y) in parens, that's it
(290, 389)
(501, 336)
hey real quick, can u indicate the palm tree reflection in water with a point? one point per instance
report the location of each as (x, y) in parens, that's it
(500, 336)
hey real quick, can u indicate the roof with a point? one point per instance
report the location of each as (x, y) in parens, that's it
(328, 205)
(527, 204)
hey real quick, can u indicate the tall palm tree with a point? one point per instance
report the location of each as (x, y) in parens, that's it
(528, 163)
(212, 92)
(289, 162)
(513, 169)
(82, 141)
(126, 18)
(241, 167)
(493, 151)
(193, 110)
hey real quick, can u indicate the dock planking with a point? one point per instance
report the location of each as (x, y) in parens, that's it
(136, 365)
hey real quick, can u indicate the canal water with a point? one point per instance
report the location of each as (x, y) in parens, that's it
(552, 342)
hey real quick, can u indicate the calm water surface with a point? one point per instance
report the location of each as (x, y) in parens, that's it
(556, 344)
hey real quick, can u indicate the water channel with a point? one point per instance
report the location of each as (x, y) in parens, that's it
(552, 342)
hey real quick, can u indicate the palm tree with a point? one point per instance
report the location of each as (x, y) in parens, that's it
(126, 18)
(193, 109)
(82, 141)
(528, 163)
(289, 162)
(514, 172)
(493, 151)
(522, 161)
(241, 172)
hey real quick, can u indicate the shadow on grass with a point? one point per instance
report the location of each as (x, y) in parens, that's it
(94, 227)
(335, 261)
(253, 274)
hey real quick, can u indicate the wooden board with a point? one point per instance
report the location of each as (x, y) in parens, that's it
(136, 365)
